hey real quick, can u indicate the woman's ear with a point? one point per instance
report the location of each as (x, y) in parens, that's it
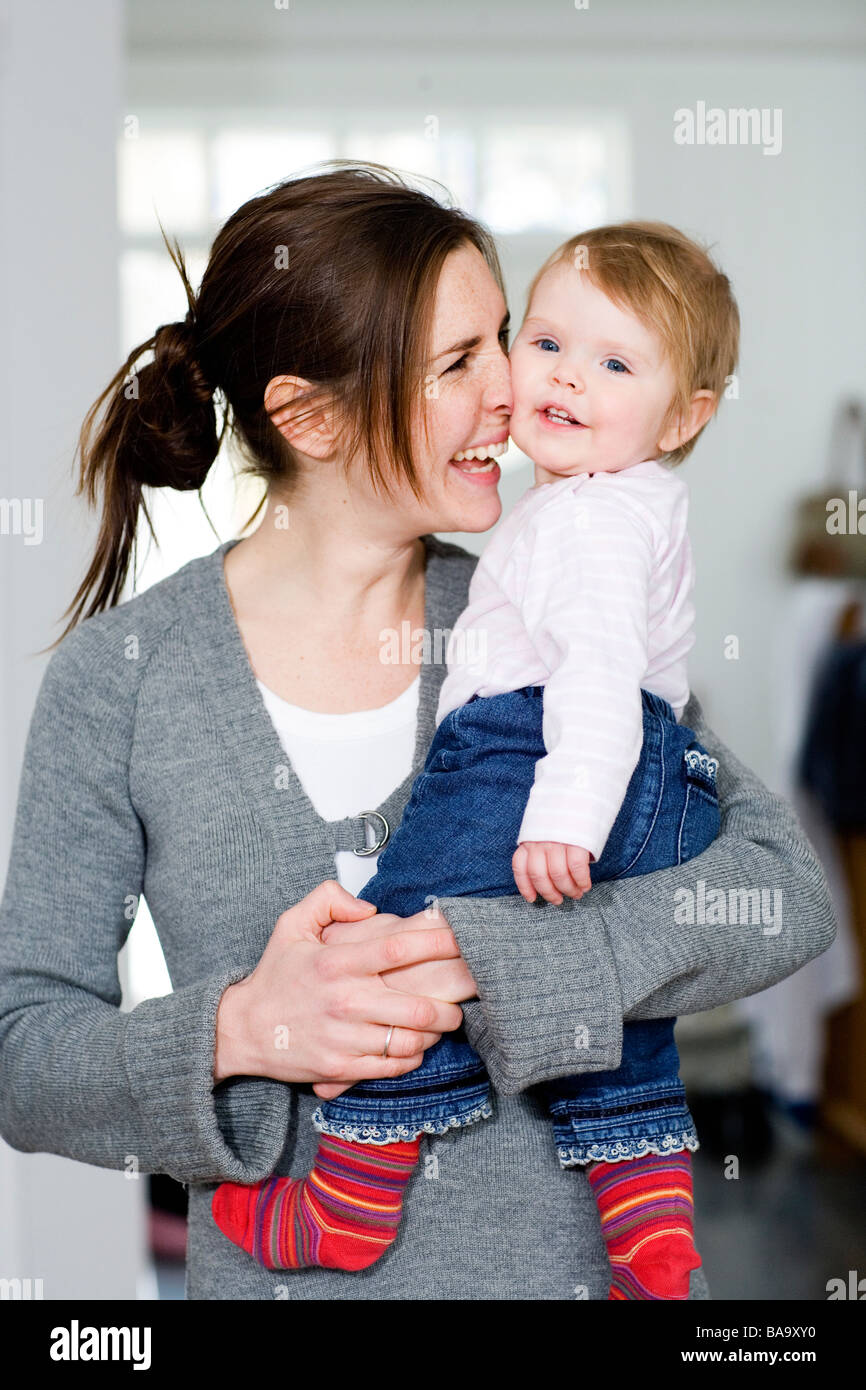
(309, 428)
(701, 408)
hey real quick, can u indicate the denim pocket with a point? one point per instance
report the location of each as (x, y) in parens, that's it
(445, 759)
(447, 745)
(701, 768)
(701, 818)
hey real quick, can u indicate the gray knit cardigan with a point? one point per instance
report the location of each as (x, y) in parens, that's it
(151, 767)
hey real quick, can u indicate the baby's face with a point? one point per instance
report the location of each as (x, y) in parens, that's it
(592, 385)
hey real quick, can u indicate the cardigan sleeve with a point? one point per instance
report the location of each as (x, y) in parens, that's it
(556, 982)
(80, 1077)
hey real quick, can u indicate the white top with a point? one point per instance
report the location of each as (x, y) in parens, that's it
(347, 763)
(586, 588)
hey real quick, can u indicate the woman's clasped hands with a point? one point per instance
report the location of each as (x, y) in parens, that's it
(334, 978)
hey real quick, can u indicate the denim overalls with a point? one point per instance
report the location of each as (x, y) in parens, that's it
(457, 838)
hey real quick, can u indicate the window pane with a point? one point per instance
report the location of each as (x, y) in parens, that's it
(433, 151)
(162, 175)
(539, 178)
(248, 161)
(152, 292)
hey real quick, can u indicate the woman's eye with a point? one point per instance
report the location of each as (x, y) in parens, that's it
(546, 344)
(615, 365)
(458, 365)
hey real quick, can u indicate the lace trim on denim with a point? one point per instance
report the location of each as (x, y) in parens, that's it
(621, 1151)
(701, 762)
(397, 1134)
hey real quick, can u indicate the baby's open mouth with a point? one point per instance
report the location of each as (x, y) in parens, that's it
(557, 416)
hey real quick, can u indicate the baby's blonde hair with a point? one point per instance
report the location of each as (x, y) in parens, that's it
(670, 283)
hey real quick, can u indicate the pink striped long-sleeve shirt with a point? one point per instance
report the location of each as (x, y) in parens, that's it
(586, 589)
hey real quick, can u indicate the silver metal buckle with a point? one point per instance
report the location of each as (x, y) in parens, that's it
(380, 843)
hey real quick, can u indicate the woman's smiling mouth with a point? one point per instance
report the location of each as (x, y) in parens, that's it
(478, 463)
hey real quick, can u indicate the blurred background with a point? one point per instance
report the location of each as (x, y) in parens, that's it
(541, 119)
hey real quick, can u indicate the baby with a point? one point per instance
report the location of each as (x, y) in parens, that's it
(558, 759)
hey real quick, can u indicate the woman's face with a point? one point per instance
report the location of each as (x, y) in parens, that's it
(467, 403)
(464, 406)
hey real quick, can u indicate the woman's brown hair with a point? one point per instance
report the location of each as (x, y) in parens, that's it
(330, 277)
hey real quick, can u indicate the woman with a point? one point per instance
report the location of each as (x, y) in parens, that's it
(205, 744)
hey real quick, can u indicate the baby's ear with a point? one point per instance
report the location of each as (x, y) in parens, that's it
(702, 407)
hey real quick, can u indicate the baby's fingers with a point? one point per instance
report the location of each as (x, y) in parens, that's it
(559, 868)
(578, 865)
(519, 867)
(539, 874)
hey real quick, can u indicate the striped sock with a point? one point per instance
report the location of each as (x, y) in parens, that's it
(647, 1211)
(343, 1215)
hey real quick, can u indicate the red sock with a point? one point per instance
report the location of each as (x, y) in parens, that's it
(647, 1211)
(343, 1215)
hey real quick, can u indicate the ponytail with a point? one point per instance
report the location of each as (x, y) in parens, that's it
(153, 426)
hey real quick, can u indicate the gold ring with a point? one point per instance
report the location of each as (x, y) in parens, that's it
(388, 1040)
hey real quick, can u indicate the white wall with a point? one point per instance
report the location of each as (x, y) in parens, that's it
(79, 1229)
(788, 228)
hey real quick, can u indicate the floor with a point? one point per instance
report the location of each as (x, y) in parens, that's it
(787, 1223)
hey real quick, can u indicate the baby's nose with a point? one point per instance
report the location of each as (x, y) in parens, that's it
(567, 374)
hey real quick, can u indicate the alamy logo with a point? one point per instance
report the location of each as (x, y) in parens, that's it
(77, 1343)
(740, 125)
(22, 516)
(846, 519)
(854, 1288)
(21, 1289)
(411, 646)
(736, 907)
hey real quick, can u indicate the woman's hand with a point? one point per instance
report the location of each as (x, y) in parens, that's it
(445, 979)
(318, 1011)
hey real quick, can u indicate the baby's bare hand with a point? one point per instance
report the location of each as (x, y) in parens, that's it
(551, 870)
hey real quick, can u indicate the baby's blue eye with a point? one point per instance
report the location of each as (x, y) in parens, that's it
(615, 365)
(541, 341)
